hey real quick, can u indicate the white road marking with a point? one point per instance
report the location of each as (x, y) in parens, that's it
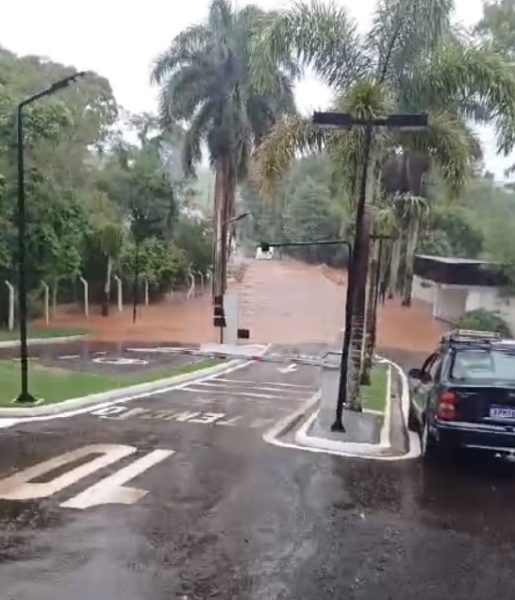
(289, 369)
(17, 486)
(207, 418)
(111, 490)
(226, 393)
(69, 357)
(214, 384)
(119, 361)
(230, 422)
(277, 383)
(185, 416)
(159, 350)
(109, 412)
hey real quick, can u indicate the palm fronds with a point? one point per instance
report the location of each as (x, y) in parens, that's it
(459, 74)
(187, 47)
(317, 34)
(405, 30)
(289, 138)
(451, 147)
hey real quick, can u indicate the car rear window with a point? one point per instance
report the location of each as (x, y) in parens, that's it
(483, 365)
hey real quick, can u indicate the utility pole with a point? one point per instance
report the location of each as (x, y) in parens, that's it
(334, 121)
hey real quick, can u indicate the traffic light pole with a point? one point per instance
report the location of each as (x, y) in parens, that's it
(342, 385)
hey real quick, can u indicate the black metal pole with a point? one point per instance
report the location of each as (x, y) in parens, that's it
(25, 396)
(356, 256)
(22, 263)
(342, 393)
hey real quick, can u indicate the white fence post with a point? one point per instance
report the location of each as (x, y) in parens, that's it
(201, 277)
(10, 319)
(191, 291)
(86, 296)
(54, 297)
(46, 302)
(146, 291)
(119, 293)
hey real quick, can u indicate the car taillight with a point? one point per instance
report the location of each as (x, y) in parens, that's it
(446, 409)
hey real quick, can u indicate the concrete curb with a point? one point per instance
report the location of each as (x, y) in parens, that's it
(117, 394)
(43, 341)
(303, 441)
(359, 449)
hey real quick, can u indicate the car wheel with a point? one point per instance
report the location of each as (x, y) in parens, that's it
(428, 445)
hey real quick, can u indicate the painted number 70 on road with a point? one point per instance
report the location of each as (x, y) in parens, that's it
(109, 490)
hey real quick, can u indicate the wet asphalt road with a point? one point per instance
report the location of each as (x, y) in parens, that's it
(106, 357)
(228, 516)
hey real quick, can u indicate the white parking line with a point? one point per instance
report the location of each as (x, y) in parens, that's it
(277, 383)
(227, 393)
(255, 386)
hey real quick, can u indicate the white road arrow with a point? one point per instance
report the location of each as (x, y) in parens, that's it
(289, 369)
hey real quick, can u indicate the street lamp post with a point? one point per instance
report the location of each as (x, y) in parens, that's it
(25, 396)
(340, 121)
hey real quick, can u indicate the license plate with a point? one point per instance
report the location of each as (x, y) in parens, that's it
(502, 412)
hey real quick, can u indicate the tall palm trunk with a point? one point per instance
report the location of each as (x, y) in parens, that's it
(357, 340)
(230, 211)
(411, 246)
(219, 246)
(373, 282)
(395, 265)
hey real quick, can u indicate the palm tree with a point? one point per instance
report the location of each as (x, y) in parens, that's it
(206, 84)
(412, 60)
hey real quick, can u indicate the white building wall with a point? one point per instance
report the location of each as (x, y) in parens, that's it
(423, 289)
(450, 302)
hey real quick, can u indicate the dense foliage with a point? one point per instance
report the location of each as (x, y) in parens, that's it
(307, 208)
(484, 320)
(90, 195)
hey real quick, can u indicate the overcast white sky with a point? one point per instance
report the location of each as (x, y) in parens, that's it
(119, 39)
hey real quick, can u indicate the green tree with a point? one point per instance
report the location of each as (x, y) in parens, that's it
(497, 27)
(205, 82)
(63, 134)
(449, 232)
(412, 60)
(195, 239)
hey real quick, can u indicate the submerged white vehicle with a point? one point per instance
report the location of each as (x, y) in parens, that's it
(264, 254)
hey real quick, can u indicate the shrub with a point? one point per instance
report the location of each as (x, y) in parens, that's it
(484, 320)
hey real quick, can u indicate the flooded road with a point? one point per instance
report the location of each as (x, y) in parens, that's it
(176, 495)
(185, 500)
(283, 302)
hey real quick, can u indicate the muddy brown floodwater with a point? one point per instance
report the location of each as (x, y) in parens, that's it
(280, 302)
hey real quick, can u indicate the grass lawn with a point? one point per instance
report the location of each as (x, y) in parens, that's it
(41, 332)
(55, 385)
(374, 395)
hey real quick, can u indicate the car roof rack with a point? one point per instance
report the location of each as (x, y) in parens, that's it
(470, 336)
